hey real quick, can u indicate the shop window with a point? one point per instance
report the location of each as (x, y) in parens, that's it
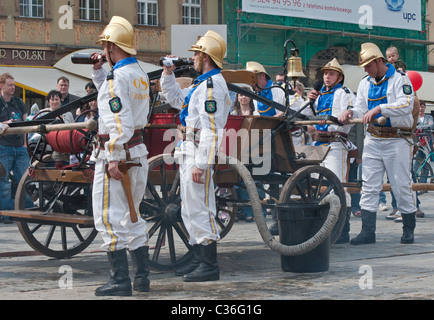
(30, 98)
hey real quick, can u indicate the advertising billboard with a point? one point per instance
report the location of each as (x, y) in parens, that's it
(402, 14)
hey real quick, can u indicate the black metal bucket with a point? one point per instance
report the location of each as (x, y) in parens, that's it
(298, 222)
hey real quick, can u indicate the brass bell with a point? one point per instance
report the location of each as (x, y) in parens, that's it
(294, 66)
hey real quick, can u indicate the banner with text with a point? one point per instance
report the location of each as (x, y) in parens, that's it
(366, 13)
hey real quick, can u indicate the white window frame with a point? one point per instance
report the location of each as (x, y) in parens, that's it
(143, 17)
(86, 9)
(189, 7)
(29, 6)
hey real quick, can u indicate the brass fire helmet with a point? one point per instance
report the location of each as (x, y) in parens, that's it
(213, 45)
(120, 32)
(255, 67)
(334, 65)
(369, 53)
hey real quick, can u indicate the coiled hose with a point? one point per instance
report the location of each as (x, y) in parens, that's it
(284, 250)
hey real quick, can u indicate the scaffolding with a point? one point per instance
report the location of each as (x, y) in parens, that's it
(260, 37)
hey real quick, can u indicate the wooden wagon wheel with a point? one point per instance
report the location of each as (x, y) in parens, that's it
(161, 208)
(55, 238)
(311, 184)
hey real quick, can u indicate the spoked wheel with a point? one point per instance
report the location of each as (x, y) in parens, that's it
(226, 210)
(311, 184)
(161, 208)
(58, 239)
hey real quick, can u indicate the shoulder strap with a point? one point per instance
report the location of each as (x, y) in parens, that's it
(400, 72)
(415, 111)
(210, 86)
(350, 101)
(209, 83)
(20, 105)
(2, 102)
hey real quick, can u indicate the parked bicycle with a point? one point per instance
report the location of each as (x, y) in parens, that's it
(423, 161)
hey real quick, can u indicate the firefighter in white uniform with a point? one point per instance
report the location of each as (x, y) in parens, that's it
(123, 101)
(333, 99)
(384, 92)
(265, 88)
(205, 105)
(296, 102)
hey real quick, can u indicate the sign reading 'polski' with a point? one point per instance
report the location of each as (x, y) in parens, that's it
(402, 14)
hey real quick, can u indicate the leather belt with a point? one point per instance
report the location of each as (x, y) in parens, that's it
(329, 136)
(388, 132)
(135, 140)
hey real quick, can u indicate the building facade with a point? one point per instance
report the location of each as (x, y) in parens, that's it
(429, 19)
(36, 34)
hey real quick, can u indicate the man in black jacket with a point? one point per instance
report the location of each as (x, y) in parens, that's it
(13, 152)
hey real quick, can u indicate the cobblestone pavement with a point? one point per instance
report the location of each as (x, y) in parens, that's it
(249, 269)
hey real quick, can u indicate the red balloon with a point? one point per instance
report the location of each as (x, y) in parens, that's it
(416, 79)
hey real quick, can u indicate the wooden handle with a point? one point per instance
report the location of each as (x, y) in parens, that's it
(90, 125)
(127, 187)
(162, 126)
(126, 184)
(353, 188)
(381, 121)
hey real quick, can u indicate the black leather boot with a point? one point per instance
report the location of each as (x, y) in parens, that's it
(142, 268)
(193, 264)
(409, 223)
(344, 237)
(120, 282)
(208, 269)
(369, 223)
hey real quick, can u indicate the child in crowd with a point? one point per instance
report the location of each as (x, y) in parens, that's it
(393, 58)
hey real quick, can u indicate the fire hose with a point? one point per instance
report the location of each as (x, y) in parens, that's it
(269, 240)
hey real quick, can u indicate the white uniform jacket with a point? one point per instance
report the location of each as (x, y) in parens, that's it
(278, 96)
(399, 107)
(131, 85)
(341, 101)
(296, 102)
(210, 124)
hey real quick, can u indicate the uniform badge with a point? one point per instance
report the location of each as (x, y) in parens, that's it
(210, 106)
(115, 105)
(407, 89)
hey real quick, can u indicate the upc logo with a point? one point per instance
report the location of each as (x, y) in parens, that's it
(395, 5)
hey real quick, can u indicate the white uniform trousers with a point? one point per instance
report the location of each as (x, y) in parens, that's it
(393, 156)
(336, 161)
(111, 211)
(198, 209)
